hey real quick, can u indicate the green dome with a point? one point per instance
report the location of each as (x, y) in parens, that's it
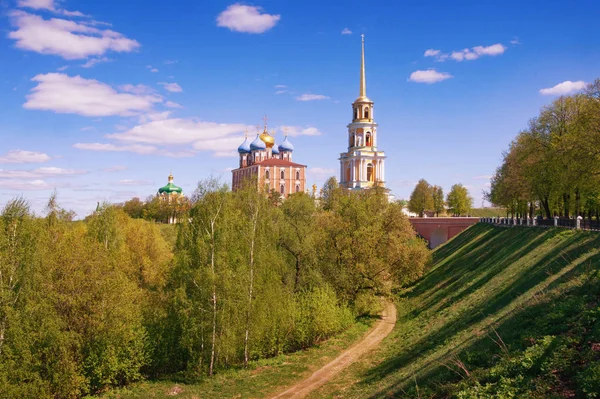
(170, 187)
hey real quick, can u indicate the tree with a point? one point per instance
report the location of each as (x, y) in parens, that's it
(438, 200)
(297, 232)
(421, 199)
(459, 201)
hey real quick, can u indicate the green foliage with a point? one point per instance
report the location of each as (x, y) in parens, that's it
(459, 201)
(367, 304)
(88, 306)
(438, 200)
(421, 199)
(552, 166)
(503, 313)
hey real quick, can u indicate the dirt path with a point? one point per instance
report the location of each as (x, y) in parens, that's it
(382, 328)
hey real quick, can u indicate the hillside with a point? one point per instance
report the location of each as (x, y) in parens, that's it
(503, 312)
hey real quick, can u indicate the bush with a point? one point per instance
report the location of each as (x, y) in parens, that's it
(367, 304)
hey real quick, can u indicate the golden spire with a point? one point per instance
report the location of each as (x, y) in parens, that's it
(363, 80)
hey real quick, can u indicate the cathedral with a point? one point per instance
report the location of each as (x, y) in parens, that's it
(363, 164)
(270, 164)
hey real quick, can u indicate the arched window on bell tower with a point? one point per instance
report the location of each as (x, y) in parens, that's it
(366, 112)
(352, 140)
(368, 139)
(355, 113)
(370, 172)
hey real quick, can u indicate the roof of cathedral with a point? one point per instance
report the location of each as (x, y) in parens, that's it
(280, 162)
(170, 187)
(286, 145)
(258, 144)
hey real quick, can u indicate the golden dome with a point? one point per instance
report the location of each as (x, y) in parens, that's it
(267, 139)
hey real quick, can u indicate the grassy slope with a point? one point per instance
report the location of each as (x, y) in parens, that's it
(504, 312)
(487, 212)
(261, 379)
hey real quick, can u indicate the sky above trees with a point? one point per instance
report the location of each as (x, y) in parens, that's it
(102, 100)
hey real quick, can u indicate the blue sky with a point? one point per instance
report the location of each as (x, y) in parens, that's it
(102, 100)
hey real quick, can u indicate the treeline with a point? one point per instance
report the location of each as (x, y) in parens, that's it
(85, 306)
(427, 198)
(157, 208)
(552, 168)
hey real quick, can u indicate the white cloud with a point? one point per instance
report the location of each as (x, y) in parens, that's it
(170, 62)
(21, 156)
(311, 97)
(87, 128)
(136, 148)
(75, 95)
(177, 131)
(494, 49)
(93, 61)
(155, 116)
(172, 87)
(26, 185)
(62, 68)
(48, 171)
(566, 87)
(67, 39)
(48, 5)
(483, 177)
(346, 31)
(429, 76)
(515, 40)
(281, 91)
(247, 19)
(171, 104)
(136, 89)
(129, 182)
(162, 135)
(37, 4)
(467, 54)
(116, 168)
(321, 173)
(280, 86)
(153, 70)
(294, 131)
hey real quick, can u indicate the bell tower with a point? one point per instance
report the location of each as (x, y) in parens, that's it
(363, 164)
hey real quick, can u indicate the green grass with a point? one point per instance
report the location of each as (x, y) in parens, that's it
(261, 379)
(487, 212)
(503, 312)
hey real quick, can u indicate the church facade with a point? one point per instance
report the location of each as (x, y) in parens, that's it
(362, 166)
(271, 165)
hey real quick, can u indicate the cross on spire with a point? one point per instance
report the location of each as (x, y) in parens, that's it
(265, 121)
